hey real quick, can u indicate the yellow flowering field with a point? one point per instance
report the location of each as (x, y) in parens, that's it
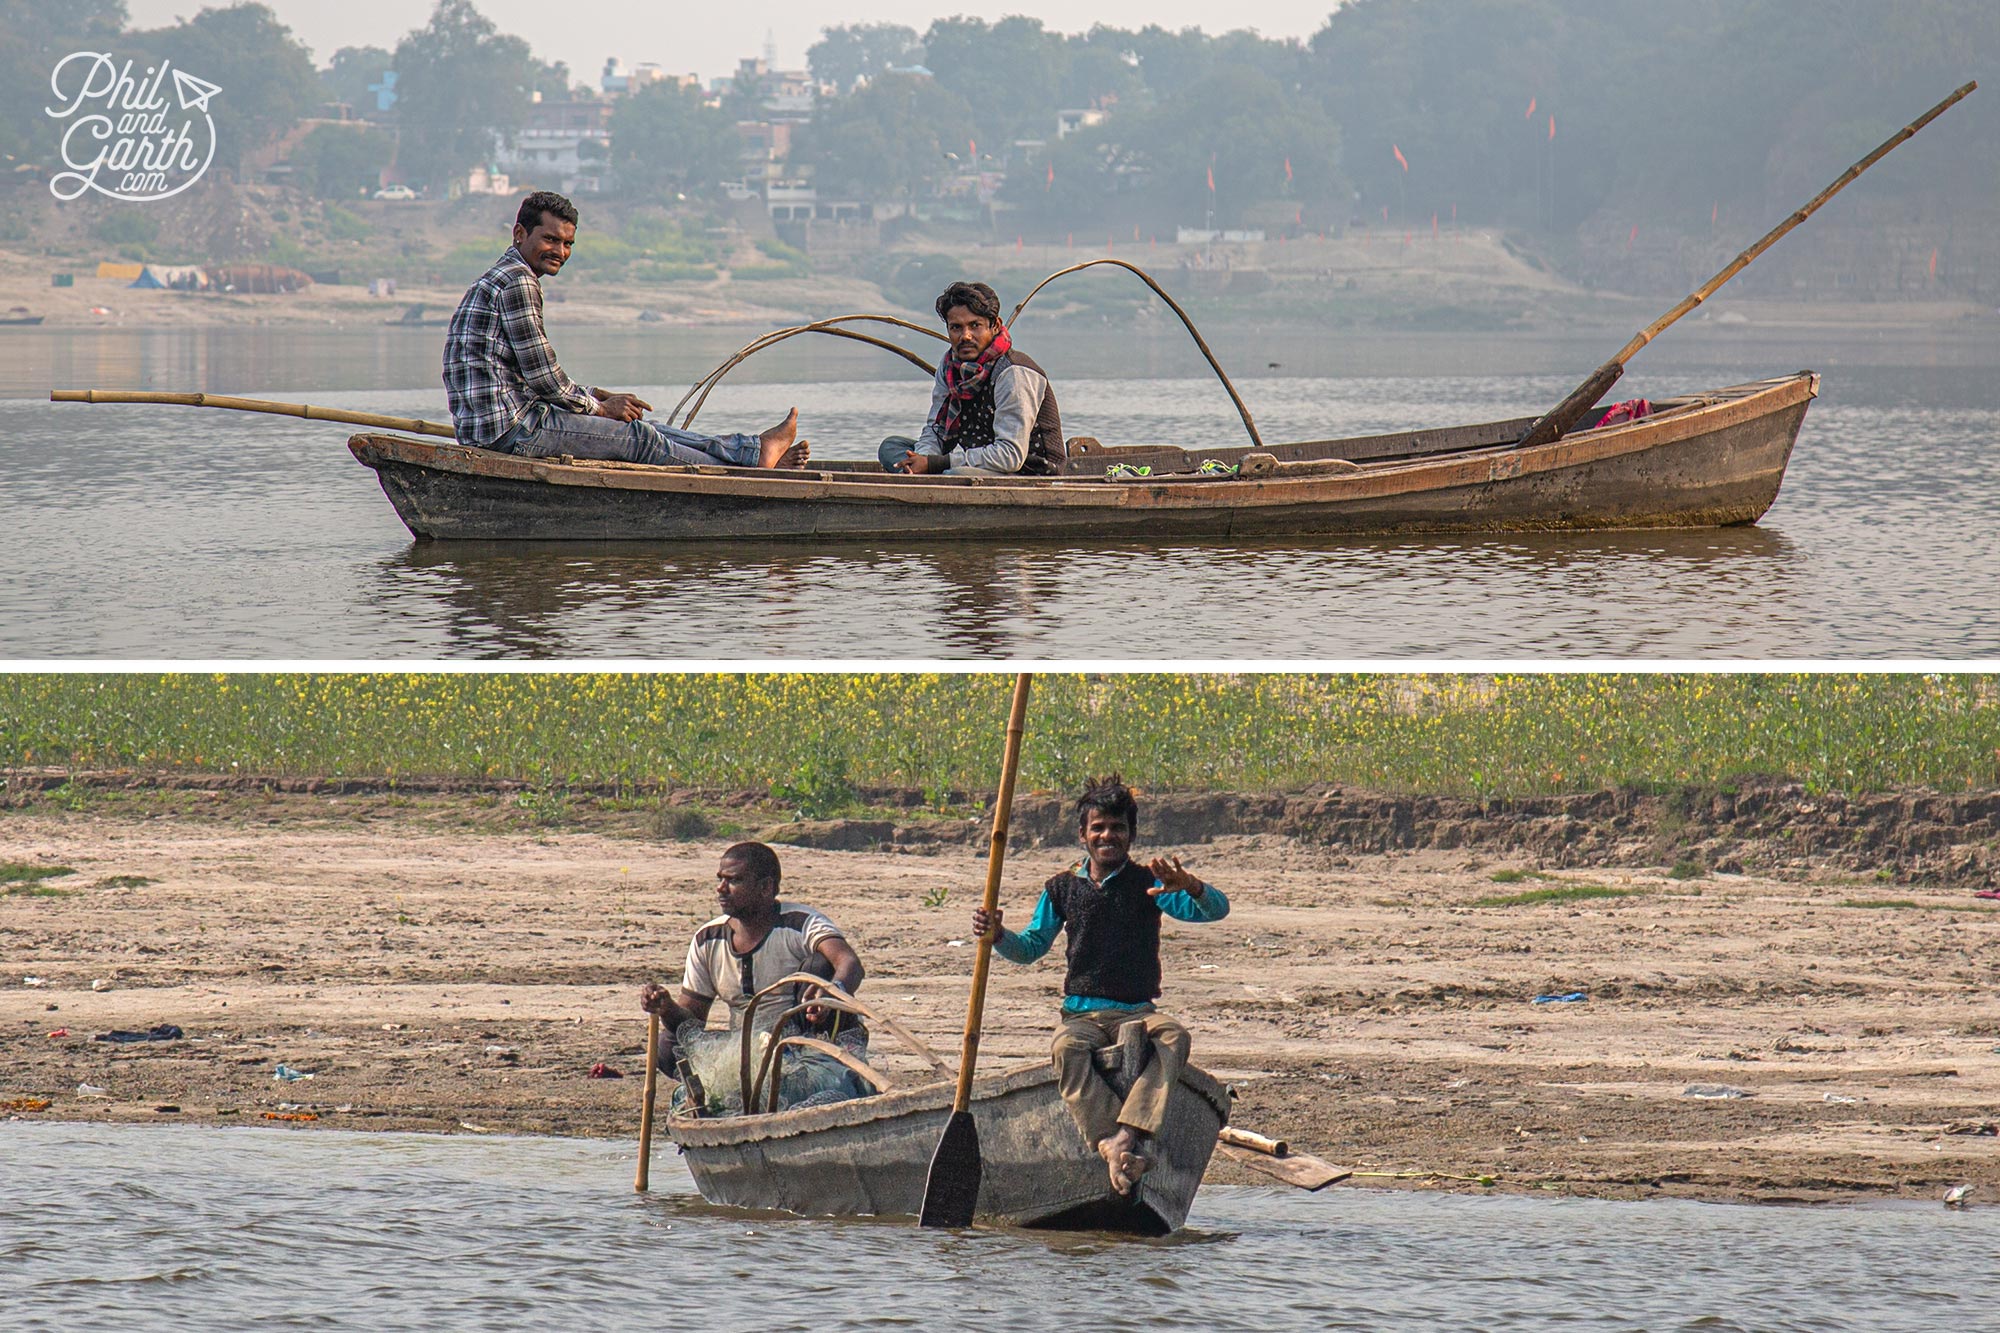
(821, 735)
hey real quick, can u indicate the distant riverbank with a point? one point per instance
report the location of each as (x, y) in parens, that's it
(1464, 284)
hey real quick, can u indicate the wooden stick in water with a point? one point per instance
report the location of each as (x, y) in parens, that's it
(411, 425)
(646, 1103)
(1255, 1142)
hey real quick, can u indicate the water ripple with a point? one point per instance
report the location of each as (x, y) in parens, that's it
(144, 532)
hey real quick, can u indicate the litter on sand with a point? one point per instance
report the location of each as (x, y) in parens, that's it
(163, 1032)
(290, 1115)
(287, 1074)
(91, 1090)
(1714, 1092)
(25, 1104)
(1567, 997)
(602, 1070)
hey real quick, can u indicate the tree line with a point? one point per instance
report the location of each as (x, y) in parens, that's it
(1521, 113)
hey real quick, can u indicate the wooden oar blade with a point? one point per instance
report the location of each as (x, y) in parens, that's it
(1300, 1169)
(951, 1194)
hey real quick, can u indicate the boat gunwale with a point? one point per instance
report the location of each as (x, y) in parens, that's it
(736, 1130)
(1379, 478)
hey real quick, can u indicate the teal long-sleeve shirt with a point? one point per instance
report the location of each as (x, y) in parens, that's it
(1025, 946)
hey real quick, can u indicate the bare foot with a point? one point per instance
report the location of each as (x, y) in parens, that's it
(794, 456)
(778, 439)
(1123, 1160)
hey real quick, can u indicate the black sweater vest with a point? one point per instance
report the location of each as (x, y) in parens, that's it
(1046, 450)
(1113, 933)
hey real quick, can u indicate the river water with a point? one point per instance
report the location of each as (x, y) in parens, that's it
(173, 1228)
(158, 532)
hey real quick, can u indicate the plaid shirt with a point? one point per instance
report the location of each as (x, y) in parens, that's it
(497, 359)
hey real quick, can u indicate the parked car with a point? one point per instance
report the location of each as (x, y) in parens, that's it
(395, 192)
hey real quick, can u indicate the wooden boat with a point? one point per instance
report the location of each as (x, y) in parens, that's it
(1703, 460)
(869, 1157)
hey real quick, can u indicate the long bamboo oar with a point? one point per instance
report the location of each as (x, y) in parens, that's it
(646, 1102)
(1552, 424)
(412, 425)
(951, 1194)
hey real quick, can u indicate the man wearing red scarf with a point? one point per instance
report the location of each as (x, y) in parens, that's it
(993, 411)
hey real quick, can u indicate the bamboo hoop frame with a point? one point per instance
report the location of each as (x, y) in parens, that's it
(707, 383)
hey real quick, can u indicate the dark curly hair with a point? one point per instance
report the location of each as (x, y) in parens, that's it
(977, 297)
(758, 859)
(544, 201)
(1108, 796)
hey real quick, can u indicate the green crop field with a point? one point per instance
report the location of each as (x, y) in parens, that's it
(819, 735)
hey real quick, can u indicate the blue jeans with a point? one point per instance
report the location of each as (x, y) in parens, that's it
(545, 431)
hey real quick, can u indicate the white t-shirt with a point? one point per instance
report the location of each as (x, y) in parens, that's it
(716, 971)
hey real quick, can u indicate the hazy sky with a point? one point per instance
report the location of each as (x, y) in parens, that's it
(584, 32)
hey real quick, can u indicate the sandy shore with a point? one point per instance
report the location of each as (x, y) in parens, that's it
(1477, 275)
(451, 979)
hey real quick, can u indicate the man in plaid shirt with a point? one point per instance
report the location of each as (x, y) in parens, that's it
(507, 392)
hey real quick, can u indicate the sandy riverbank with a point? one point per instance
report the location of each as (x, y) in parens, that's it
(1362, 1004)
(1475, 284)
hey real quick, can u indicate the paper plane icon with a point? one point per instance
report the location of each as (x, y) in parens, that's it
(194, 93)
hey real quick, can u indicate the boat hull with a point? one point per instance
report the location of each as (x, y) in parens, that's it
(871, 1157)
(1715, 464)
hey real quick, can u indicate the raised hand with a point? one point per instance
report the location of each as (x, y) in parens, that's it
(1173, 877)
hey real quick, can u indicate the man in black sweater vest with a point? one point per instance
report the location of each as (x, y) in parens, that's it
(1110, 907)
(993, 411)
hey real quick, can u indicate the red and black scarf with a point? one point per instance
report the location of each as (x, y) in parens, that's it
(964, 380)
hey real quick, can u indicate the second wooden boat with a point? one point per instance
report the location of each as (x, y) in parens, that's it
(869, 1157)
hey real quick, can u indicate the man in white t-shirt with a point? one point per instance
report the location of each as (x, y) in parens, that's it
(756, 941)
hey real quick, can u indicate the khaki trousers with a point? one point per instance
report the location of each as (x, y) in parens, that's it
(1095, 1108)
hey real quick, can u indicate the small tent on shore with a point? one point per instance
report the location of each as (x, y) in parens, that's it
(174, 277)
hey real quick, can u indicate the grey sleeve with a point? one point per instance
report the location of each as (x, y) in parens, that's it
(929, 441)
(1017, 400)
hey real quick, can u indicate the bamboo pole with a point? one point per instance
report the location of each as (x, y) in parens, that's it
(1173, 305)
(411, 425)
(1570, 410)
(646, 1103)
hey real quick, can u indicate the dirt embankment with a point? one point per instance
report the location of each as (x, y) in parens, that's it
(1770, 828)
(454, 961)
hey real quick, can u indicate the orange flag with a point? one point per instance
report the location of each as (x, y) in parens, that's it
(1531, 110)
(1288, 170)
(1211, 180)
(1051, 179)
(972, 148)
(1552, 128)
(1934, 261)
(1401, 161)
